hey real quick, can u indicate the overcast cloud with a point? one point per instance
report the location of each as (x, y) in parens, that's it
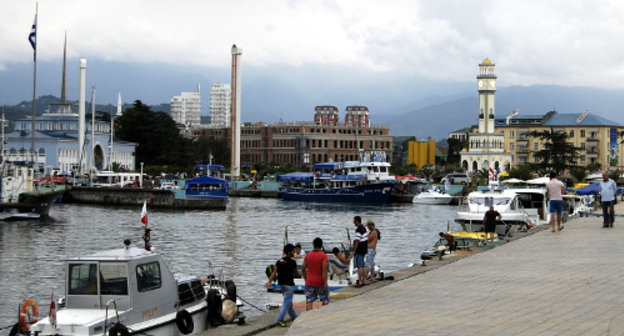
(539, 42)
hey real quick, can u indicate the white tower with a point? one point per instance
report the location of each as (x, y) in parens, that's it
(81, 112)
(486, 82)
(236, 111)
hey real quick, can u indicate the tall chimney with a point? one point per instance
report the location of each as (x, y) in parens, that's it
(235, 109)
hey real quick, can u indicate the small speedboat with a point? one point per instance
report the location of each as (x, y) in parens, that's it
(432, 197)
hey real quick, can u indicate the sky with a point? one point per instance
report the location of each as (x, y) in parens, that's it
(314, 45)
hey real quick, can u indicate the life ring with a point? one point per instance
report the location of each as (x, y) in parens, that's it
(28, 314)
(184, 320)
(118, 330)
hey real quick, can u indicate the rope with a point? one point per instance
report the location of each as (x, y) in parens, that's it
(11, 326)
(249, 303)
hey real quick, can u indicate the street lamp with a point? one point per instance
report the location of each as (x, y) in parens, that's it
(141, 177)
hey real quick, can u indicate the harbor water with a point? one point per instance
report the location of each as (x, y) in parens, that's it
(240, 241)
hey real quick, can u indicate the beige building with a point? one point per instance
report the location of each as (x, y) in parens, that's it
(597, 138)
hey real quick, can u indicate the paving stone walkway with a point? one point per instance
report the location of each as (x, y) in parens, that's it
(564, 283)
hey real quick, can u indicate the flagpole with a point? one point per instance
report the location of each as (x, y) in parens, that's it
(34, 102)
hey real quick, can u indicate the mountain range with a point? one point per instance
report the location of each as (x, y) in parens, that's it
(436, 116)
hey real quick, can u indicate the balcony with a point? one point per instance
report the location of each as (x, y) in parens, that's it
(592, 139)
(522, 149)
(593, 152)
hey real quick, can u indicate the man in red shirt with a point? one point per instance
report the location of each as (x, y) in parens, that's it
(314, 272)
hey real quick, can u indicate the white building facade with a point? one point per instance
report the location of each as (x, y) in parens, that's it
(220, 101)
(186, 108)
(486, 147)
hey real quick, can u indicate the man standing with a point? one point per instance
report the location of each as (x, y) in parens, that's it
(608, 189)
(555, 189)
(314, 272)
(286, 270)
(489, 223)
(360, 248)
(373, 238)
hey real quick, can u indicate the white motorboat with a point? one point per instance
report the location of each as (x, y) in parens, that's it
(132, 291)
(520, 209)
(432, 197)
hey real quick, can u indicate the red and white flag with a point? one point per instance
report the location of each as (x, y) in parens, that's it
(144, 213)
(492, 175)
(52, 312)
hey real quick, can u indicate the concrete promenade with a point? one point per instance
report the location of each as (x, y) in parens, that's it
(563, 283)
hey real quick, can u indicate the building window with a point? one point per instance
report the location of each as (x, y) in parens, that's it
(582, 133)
(535, 146)
(572, 134)
(511, 146)
(582, 158)
(582, 145)
(512, 134)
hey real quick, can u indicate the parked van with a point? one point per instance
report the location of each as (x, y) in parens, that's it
(456, 178)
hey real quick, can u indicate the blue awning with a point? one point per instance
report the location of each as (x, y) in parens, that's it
(296, 177)
(329, 165)
(593, 189)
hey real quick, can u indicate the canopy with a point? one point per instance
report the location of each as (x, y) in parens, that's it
(329, 165)
(513, 180)
(593, 189)
(296, 177)
(539, 180)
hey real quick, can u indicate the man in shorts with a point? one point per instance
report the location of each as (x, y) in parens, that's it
(360, 247)
(489, 223)
(314, 272)
(555, 189)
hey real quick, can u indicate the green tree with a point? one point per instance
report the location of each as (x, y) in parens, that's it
(159, 141)
(521, 172)
(215, 146)
(455, 147)
(557, 155)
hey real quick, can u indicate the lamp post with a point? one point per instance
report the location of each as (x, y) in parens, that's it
(141, 177)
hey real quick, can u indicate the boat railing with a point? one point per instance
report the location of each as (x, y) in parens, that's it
(106, 314)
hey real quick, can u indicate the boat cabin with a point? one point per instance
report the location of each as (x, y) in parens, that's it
(132, 277)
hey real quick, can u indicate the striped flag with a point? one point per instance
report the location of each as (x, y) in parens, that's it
(32, 38)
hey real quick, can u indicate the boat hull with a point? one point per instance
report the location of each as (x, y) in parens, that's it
(432, 200)
(365, 193)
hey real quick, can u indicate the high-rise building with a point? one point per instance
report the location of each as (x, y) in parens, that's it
(186, 108)
(220, 99)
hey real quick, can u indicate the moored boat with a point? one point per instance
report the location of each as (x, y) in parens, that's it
(432, 197)
(365, 181)
(520, 209)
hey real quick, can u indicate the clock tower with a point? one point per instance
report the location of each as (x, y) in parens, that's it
(486, 147)
(486, 83)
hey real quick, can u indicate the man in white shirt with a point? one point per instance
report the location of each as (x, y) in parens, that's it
(608, 189)
(556, 189)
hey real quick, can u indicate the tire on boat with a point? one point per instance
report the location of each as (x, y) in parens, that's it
(215, 307)
(184, 320)
(230, 289)
(118, 330)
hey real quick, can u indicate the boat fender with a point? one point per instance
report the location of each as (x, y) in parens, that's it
(230, 288)
(28, 314)
(215, 307)
(118, 330)
(184, 320)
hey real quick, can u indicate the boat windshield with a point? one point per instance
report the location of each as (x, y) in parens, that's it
(490, 200)
(148, 276)
(83, 279)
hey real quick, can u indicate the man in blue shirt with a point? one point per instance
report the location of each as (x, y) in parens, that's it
(608, 189)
